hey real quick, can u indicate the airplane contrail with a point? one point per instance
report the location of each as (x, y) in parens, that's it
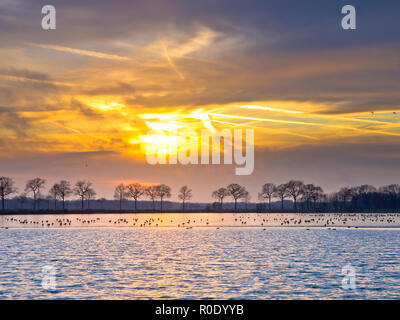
(78, 132)
(305, 123)
(269, 109)
(95, 54)
(265, 120)
(264, 128)
(313, 114)
(171, 62)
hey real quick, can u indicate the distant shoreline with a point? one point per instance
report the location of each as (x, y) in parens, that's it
(189, 220)
(219, 227)
(67, 212)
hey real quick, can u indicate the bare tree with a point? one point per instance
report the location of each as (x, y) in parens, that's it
(220, 194)
(281, 193)
(82, 189)
(54, 193)
(393, 192)
(135, 191)
(90, 195)
(307, 194)
(267, 192)
(246, 198)
(236, 191)
(295, 190)
(6, 188)
(34, 186)
(152, 193)
(317, 194)
(64, 190)
(345, 195)
(366, 188)
(163, 192)
(185, 193)
(120, 194)
(359, 194)
(390, 189)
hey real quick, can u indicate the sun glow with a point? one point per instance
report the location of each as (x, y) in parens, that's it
(106, 105)
(163, 126)
(168, 132)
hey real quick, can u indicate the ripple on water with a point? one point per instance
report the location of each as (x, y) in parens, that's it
(230, 263)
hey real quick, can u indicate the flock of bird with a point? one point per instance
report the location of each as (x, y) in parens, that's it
(189, 221)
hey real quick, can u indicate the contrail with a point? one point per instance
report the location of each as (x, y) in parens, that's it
(78, 132)
(313, 114)
(95, 54)
(171, 62)
(267, 120)
(305, 123)
(269, 129)
(352, 119)
(269, 109)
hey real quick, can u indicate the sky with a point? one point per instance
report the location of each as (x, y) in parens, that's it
(78, 102)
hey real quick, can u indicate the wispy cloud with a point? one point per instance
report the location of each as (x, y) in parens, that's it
(202, 40)
(89, 53)
(171, 62)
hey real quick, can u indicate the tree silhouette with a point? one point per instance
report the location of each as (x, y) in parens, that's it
(267, 192)
(135, 191)
(307, 194)
(390, 189)
(281, 193)
(54, 193)
(345, 194)
(316, 194)
(184, 194)
(6, 188)
(83, 189)
(236, 191)
(246, 198)
(220, 194)
(163, 192)
(391, 192)
(120, 194)
(295, 190)
(90, 194)
(152, 193)
(64, 190)
(363, 198)
(34, 186)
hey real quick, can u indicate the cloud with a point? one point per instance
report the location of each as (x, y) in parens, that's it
(228, 52)
(172, 63)
(95, 54)
(85, 110)
(20, 126)
(121, 88)
(25, 73)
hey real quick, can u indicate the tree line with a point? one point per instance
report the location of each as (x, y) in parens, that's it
(85, 192)
(311, 198)
(297, 195)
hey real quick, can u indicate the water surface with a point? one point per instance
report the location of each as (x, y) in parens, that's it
(199, 263)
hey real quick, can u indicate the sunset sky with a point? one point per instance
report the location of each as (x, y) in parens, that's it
(78, 102)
